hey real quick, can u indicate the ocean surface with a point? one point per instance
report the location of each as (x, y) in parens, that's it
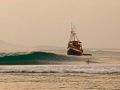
(101, 61)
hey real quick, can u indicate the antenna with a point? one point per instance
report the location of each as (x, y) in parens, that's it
(71, 26)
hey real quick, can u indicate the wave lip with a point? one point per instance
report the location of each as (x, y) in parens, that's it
(59, 69)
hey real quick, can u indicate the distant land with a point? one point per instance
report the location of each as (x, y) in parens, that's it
(8, 47)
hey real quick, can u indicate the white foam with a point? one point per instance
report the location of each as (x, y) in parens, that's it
(60, 69)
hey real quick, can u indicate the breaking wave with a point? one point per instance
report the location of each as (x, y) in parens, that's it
(33, 58)
(58, 69)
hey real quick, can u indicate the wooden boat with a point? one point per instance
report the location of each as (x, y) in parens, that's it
(74, 45)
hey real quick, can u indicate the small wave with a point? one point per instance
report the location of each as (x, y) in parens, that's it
(59, 69)
(106, 50)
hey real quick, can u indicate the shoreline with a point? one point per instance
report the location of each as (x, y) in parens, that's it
(59, 81)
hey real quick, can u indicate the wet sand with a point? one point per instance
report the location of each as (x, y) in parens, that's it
(59, 81)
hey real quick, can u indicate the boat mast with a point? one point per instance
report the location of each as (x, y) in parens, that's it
(73, 36)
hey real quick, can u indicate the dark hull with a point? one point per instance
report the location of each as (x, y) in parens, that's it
(74, 52)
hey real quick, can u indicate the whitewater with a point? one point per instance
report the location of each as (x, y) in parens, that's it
(59, 69)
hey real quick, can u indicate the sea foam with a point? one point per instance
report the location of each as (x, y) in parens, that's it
(59, 69)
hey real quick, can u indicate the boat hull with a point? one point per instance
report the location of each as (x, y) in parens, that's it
(74, 52)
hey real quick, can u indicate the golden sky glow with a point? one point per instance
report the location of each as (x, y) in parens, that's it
(47, 22)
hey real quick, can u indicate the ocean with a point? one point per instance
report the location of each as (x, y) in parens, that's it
(56, 61)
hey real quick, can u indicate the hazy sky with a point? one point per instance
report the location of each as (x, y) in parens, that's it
(47, 22)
